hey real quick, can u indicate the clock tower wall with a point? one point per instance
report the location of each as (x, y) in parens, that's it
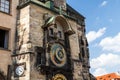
(42, 41)
(21, 66)
(49, 46)
(74, 44)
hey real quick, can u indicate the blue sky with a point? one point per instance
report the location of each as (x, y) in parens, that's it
(103, 33)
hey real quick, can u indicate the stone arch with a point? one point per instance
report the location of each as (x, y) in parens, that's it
(63, 21)
(65, 24)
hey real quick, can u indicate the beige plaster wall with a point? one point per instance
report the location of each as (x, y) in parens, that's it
(5, 60)
(8, 22)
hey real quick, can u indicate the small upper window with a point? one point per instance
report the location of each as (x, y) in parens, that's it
(82, 52)
(5, 6)
(3, 39)
(51, 32)
(60, 34)
(81, 41)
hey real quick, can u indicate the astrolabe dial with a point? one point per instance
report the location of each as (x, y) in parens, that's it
(58, 55)
(59, 77)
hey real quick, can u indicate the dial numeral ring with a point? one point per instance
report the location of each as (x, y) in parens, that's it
(58, 55)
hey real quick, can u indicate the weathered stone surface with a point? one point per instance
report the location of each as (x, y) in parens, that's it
(35, 34)
(32, 32)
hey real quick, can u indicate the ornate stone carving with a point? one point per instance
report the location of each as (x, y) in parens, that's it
(19, 69)
(60, 3)
(59, 77)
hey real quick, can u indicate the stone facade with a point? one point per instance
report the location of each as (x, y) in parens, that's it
(50, 42)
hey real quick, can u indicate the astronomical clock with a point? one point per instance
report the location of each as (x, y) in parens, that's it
(50, 42)
(58, 56)
(57, 52)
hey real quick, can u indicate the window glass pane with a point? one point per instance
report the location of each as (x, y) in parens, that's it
(2, 4)
(59, 34)
(3, 38)
(51, 31)
(6, 40)
(2, 9)
(3, 1)
(6, 10)
(7, 6)
(7, 2)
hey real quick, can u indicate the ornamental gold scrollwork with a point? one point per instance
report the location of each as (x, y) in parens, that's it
(59, 77)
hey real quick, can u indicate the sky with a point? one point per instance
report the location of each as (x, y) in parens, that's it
(103, 33)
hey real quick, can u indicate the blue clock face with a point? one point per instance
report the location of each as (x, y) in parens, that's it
(58, 55)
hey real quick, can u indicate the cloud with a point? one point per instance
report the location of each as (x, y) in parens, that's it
(104, 3)
(93, 35)
(104, 62)
(99, 71)
(111, 43)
